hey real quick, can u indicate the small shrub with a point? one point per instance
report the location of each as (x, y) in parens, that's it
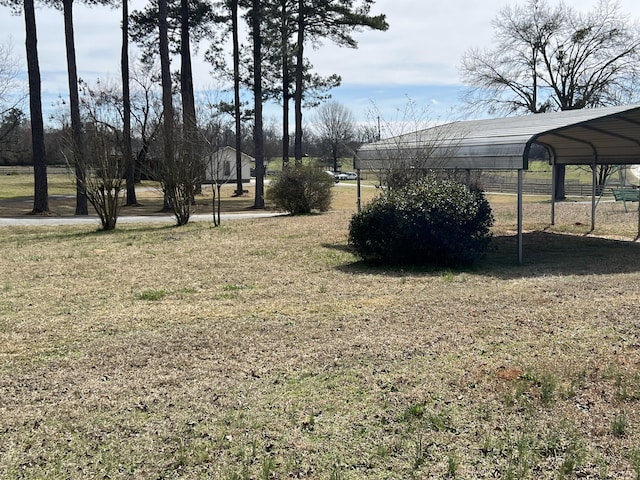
(435, 222)
(300, 189)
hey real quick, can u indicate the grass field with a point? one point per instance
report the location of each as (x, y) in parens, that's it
(264, 350)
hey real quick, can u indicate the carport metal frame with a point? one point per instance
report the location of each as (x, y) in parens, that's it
(596, 136)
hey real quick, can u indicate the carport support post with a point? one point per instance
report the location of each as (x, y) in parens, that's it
(358, 191)
(553, 191)
(594, 180)
(520, 216)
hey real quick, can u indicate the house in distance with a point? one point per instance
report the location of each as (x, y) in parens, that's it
(221, 166)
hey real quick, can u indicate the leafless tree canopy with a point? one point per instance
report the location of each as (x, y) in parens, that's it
(336, 128)
(8, 79)
(555, 58)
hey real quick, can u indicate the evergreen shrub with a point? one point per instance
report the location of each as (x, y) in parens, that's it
(432, 222)
(300, 189)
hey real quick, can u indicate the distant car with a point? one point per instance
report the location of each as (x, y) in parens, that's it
(351, 175)
(341, 176)
(334, 175)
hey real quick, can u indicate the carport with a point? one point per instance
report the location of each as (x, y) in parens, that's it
(595, 136)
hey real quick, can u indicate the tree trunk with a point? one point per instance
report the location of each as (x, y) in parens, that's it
(188, 97)
(41, 189)
(258, 134)
(130, 174)
(82, 207)
(165, 70)
(559, 186)
(167, 101)
(286, 96)
(297, 149)
(236, 96)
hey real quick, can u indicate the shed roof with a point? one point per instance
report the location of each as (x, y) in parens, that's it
(608, 135)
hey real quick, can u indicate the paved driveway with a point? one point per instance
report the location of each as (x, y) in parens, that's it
(93, 220)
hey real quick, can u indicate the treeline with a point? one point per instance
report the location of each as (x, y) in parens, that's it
(257, 46)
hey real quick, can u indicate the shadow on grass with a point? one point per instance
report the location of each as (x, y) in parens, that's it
(548, 253)
(544, 253)
(68, 232)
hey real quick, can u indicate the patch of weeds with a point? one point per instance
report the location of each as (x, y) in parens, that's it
(518, 453)
(151, 295)
(627, 389)
(448, 276)
(419, 453)
(453, 464)
(572, 460)
(487, 446)
(548, 385)
(634, 458)
(603, 468)
(231, 290)
(439, 422)
(337, 472)
(619, 425)
(182, 292)
(268, 467)
(518, 392)
(264, 253)
(577, 383)
(233, 287)
(413, 412)
(382, 451)
(309, 424)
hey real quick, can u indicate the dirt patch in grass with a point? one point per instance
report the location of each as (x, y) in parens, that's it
(265, 349)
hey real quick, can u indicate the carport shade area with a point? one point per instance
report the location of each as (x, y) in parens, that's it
(594, 136)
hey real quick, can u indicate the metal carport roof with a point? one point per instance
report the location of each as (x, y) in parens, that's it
(591, 136)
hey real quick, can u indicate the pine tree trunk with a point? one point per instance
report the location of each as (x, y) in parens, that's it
(297, 149)
(258, 136)
(236, 96)
(82, 206)
(130, 174)
(41, 189)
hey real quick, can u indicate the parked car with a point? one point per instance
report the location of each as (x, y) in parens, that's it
(341, 176)
(351, 175)
(334, 175)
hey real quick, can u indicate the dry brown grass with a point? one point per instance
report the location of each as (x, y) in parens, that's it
(263, 349)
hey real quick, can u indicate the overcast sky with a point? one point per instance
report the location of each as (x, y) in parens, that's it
(417, 58)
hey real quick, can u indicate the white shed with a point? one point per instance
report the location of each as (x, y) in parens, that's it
(221, 166)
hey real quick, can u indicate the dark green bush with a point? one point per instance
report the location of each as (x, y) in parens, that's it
(301, 189)
(434, 222)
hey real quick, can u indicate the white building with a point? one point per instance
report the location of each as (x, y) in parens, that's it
(221, 166)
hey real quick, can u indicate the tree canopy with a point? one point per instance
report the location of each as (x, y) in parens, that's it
(555, 58)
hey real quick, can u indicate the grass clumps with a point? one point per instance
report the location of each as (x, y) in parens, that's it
(434, 222)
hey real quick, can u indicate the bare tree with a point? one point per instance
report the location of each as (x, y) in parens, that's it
(103, 163)
(335, 127)
(411, 147)
(146, 113)
(555, 58)
(11, 115)
(9, 83)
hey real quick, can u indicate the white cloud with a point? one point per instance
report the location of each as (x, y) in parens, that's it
(420, 52)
